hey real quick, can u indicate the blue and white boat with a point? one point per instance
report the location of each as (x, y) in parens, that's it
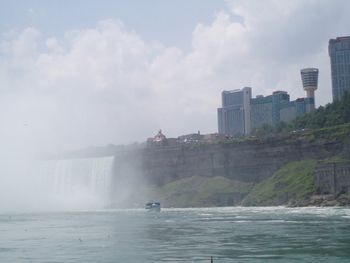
(153, 206)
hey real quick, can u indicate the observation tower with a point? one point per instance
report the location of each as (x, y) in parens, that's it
(309, 77)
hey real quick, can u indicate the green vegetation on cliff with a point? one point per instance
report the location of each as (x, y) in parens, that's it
(294, 181)
(333, 114)
(329, 134)
(203, 191)
(335, 159)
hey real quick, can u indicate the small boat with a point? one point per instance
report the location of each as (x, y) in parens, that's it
(153, 206)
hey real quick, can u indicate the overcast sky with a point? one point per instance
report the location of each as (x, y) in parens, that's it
(80, 73)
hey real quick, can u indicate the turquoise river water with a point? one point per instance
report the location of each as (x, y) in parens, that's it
(231, 234)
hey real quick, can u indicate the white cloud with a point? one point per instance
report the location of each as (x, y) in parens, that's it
(107, 85)
(284, 37)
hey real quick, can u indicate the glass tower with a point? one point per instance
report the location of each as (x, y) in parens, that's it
(234, 116)
(339, 52)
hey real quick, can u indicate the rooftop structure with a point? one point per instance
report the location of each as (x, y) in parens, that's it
(158, 139)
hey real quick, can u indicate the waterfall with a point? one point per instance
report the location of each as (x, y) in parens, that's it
(81, 183)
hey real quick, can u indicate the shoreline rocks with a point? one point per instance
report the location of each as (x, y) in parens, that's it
(322, 201)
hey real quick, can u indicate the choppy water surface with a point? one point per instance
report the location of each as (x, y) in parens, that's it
(178, 235)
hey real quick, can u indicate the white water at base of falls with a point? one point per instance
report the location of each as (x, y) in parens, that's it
(79, 183)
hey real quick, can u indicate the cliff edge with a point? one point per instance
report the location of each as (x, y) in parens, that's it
(287, 169)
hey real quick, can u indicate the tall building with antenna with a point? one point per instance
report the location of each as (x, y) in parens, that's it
(309, 77)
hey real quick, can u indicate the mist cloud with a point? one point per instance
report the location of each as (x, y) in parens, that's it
(106, 84)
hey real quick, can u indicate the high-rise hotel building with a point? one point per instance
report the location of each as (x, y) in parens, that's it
(234, 115)
(339, 53)
(266, 109)
(241, 114)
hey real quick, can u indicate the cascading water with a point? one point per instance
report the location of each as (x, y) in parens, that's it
(79, 183)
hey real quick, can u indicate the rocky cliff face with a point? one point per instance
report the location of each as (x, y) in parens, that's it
(223, 173)
(332, 178)
(250, 161)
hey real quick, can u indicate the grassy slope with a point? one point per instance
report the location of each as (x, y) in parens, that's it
(329, 134)
(335, 159)
(292, 181)
(201, 191)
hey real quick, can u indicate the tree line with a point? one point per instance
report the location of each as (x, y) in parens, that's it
(335, 113)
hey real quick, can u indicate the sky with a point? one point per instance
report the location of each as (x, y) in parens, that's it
(80, 73)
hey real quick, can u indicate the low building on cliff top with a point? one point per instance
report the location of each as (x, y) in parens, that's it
(158, 140)
(190, 138)
(193, 138)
